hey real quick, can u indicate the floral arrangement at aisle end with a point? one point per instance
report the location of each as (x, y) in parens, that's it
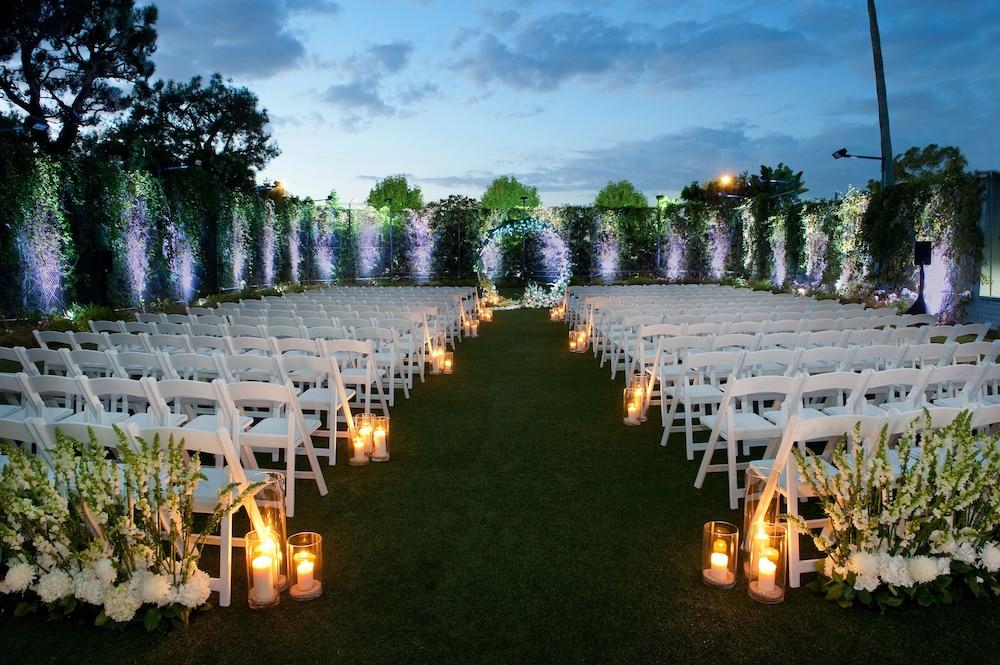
(112, 538)
(916, 522)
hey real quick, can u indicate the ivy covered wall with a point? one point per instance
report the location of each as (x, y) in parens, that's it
(77, 233)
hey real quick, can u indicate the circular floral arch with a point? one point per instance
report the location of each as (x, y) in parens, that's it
(555, 257)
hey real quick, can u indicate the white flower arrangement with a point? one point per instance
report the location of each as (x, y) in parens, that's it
(90, 532)
(910, 521)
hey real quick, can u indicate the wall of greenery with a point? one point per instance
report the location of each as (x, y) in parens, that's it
(81, 230)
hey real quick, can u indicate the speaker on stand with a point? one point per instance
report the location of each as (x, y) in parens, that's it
(921, 257)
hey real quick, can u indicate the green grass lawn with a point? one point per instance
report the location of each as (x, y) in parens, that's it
(520, 522)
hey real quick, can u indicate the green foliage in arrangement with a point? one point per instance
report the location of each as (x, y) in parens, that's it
(580, 227)
(457, 224)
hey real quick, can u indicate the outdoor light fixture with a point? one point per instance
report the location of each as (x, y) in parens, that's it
(726, 180)
(842, 153)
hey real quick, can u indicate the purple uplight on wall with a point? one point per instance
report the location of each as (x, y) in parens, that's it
(937, 285)
(137, 231)
(421, 244)
(238, 249)
(40, 246)
(778, 252)
(607, 255)
(675, 256)
(490, 257)
(179, 254)
(269, 244)
(555, 253)
(369, 244)
(294, 249)
(816, 246)
(719, 246)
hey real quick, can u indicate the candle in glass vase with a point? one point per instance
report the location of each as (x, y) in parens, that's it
(766, 570)
(720, 567)
(633, 413)
(379, 445)
(448, 365)
(359, 452)
(263, 579)
(304, 573)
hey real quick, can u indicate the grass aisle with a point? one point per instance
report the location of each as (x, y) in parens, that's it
(520, 522)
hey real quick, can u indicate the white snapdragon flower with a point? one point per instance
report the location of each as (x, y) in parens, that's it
(990, 555)
(54, 585)
(19, 578)
(923, 569)
(121, 602)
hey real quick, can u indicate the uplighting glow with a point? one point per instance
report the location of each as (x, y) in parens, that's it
(269, 245)
(420, 244)
(719, 247)
(136, 229)
(239, 234)
(294, 250)
(675, 256)
(607, 256)
(40, 244)
(937, 288)
(369, 243)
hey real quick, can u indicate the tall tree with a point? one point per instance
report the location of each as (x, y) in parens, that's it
(888, 177)
(218, 126)
(506, 193)
(621, 194)
(395, 192)
(72, 62)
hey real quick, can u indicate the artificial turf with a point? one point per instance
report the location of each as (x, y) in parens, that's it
(520, 522)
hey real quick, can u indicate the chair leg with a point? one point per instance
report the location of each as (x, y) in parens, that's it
(706, 459)
(734, 499)
(226, 561)
(688, 431)
(290, 483)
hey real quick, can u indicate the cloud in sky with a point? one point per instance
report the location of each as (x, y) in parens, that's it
(239, 38)
(545, 52)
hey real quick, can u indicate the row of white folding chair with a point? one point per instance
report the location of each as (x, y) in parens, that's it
(740, 416)
(861, 433)
(279, 426)
(697, 381)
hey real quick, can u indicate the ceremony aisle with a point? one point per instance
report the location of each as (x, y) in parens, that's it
(518, 521)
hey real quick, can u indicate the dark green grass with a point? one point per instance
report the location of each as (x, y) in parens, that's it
(520, 522)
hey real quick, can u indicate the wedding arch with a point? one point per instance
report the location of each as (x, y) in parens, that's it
(555, 259)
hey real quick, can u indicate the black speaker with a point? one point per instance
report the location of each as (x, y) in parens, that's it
(922, 253)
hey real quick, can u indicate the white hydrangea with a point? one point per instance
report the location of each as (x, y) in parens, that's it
(864, 564)
(966, 553)
(105, 571)
(923, 569)
(19, 578)
(54, 585)
(88, 587)
(155, 589)
(990, 555)
(895, 571)
(195, 592)
(121, 602)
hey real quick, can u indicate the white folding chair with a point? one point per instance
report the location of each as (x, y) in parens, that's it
(320, 389)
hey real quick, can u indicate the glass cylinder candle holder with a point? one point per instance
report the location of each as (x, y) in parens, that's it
(767, 563)
(380, 439)
(754, 481)
(487, 314)
(467, 326)
(573, 337)
(474, 328)
(262, 570)
(269, 520)
(554, 314)
(437, 356)
(305, 553)
(448, 362)
(364, 422)
(638, 388)
(630, 410)
(581, 341)
(720, 552)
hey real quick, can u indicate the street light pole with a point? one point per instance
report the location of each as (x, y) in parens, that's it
(888, 176)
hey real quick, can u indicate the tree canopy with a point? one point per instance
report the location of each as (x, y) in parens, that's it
(506, 192)
(214, 125)
(70, 63)
(621, 194)
(395, 192)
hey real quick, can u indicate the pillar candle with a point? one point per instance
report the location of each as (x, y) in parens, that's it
(720, 567)
(379, 438)
(766, 570)
(263, 579)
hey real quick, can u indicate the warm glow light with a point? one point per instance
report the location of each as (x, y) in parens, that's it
(726, 180)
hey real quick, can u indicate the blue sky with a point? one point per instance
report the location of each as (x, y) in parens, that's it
(569, 95)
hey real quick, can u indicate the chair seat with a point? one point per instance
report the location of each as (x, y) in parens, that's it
(869, 409)
(748, 426)
(206, 494)
(700, 392)
(210, 422)
(112, 417)
(358, 375)
(279, 427)
(147, 421)
(666, 371)
(805, 413)
(321, 398)
(10, 411)
(765, 466)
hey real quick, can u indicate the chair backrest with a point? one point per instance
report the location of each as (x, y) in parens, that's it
(824, 359)
(85, 362)
(954, 381)
(980, 330)
(977, 352)
(281, 331)
(827, 338)
(911, 336)
(137, 327)
(168, 343)
(126, 341)
(100, 326)
(247, 368)
(900, 384)
(209, 344)
(104, 434)
(821, 325)
(326, 332)
(748, 327)
(877, 357)
(53, 339)
(183, 397)
(207, 329)
(702, 329)
(44, 361)
(712, 367)
(114, 395)
(207, 445)
(243, 345)
(769, 362)
(834, 389)
(927, 355)
(734, 342)
(773, 340)
(89, 340)
(138, 364)
(744, 394)
(61, 392)
(193, 366)
(294, 346)
(172, 328)
(785, 326)
(868, 336)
